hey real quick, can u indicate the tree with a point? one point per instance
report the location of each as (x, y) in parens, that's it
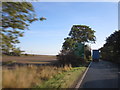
(82, 33)
(74, 47)
(111, 49)
(79, 34)
(16, 17)
(68, 45)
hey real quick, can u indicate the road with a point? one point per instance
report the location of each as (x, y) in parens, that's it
(101, 74)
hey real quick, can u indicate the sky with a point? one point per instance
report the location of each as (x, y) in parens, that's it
(46, 37)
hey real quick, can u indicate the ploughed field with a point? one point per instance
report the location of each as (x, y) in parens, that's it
(36, 59)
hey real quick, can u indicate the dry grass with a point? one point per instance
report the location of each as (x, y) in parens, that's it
(36, 59)
(29, 58)
(30, 76)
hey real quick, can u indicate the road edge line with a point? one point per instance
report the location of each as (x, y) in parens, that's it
(79, 83)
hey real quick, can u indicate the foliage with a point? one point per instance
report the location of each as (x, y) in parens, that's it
(14, 52)
(111, 49)
(79, 35)
(16, 17)
(69, 44)
(82, 33)
(70, 58)
(87, 52)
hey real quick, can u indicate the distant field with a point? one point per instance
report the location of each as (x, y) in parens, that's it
(37, 59)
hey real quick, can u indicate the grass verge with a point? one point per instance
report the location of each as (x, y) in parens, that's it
(29, 76)
(63, 80)
(41, 76)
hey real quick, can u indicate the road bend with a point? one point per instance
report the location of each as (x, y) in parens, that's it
(102, 74)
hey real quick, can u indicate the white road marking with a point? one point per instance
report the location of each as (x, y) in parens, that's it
(79, 83)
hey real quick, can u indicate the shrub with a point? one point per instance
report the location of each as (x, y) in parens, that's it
(70, 58)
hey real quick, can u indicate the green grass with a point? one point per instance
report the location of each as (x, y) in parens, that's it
(63, 80)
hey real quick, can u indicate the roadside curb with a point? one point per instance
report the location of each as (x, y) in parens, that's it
(80, 81)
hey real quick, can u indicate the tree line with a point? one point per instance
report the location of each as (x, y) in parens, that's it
(111, 49)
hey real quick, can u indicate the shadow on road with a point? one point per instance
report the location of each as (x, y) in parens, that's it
(102, 74)
(110, 83)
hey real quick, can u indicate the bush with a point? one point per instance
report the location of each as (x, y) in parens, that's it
(70, 58)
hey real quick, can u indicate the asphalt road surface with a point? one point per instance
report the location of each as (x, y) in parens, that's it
(101, 74)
